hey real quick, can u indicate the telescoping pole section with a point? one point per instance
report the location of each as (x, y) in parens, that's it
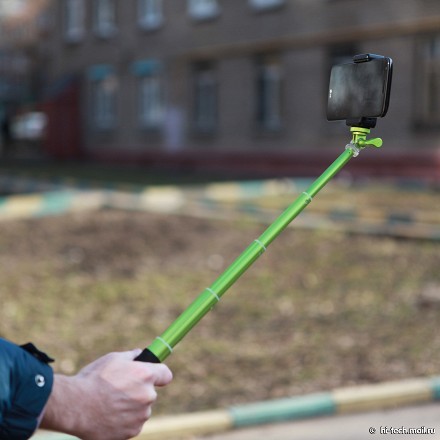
(163, 345)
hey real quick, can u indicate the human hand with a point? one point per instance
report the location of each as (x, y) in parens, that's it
(110, 399)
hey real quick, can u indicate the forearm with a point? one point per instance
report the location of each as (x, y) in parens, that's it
(62, 412)
(109, 399)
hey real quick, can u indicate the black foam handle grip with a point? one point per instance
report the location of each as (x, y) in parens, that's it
(148, 356)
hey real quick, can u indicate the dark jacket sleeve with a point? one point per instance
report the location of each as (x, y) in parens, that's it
(26, 382)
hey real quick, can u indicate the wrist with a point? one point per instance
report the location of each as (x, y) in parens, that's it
(62, 413)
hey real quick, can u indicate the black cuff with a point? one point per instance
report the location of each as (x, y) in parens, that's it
(31, 381)
(41, 356)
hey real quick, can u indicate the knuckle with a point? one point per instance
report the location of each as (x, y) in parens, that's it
(149, 397)
(153, 395)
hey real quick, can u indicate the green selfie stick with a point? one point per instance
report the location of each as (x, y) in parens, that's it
(164, 344)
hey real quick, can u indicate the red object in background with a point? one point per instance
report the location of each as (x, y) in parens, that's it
(63, 139)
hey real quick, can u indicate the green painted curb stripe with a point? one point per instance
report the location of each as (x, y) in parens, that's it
(283, 409)
(46, 204)
(226, 197)
(435, 385)
(295, 408)
(55, 203)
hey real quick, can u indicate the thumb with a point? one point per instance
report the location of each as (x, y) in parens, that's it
(130, 355)
(136, 352)
(109, 358)
(160, 374)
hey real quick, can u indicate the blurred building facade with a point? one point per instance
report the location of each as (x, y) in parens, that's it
(234, 83)
(22, 26)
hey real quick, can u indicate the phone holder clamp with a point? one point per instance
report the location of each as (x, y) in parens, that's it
(360, 141)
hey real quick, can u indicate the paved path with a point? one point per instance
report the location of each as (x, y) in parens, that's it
(347, 427)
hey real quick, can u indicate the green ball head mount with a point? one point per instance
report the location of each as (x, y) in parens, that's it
(360, 141)
(164, 344)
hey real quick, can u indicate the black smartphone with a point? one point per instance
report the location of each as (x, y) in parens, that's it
(360, 89)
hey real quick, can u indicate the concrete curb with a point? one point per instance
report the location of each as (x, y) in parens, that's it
(50, 203)
(20, 183)
(339, 401)
(226, 201)
(58, 198)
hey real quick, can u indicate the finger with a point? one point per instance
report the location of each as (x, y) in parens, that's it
(129, 355)
(135, 353)
(159, 374)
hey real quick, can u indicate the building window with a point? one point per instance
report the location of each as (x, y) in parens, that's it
(269, 84)
(266, 4)
(150, 14)
(150, 93)
(205, 98)
(151, 109)
(74, 18)
(104, 94)
(105, 18)
(427, 84)
(105, 103)
(203, 9)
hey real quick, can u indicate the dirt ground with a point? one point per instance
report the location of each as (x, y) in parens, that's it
(318, 310)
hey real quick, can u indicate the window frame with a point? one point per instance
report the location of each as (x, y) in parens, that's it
(205, 118)
(151, 108)
(104, 24)
(427, 83)
(150, 14)
(74, 14)
(265, 5)
(150, 93)
(203, 10)
(104, 96)
(269, 92)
